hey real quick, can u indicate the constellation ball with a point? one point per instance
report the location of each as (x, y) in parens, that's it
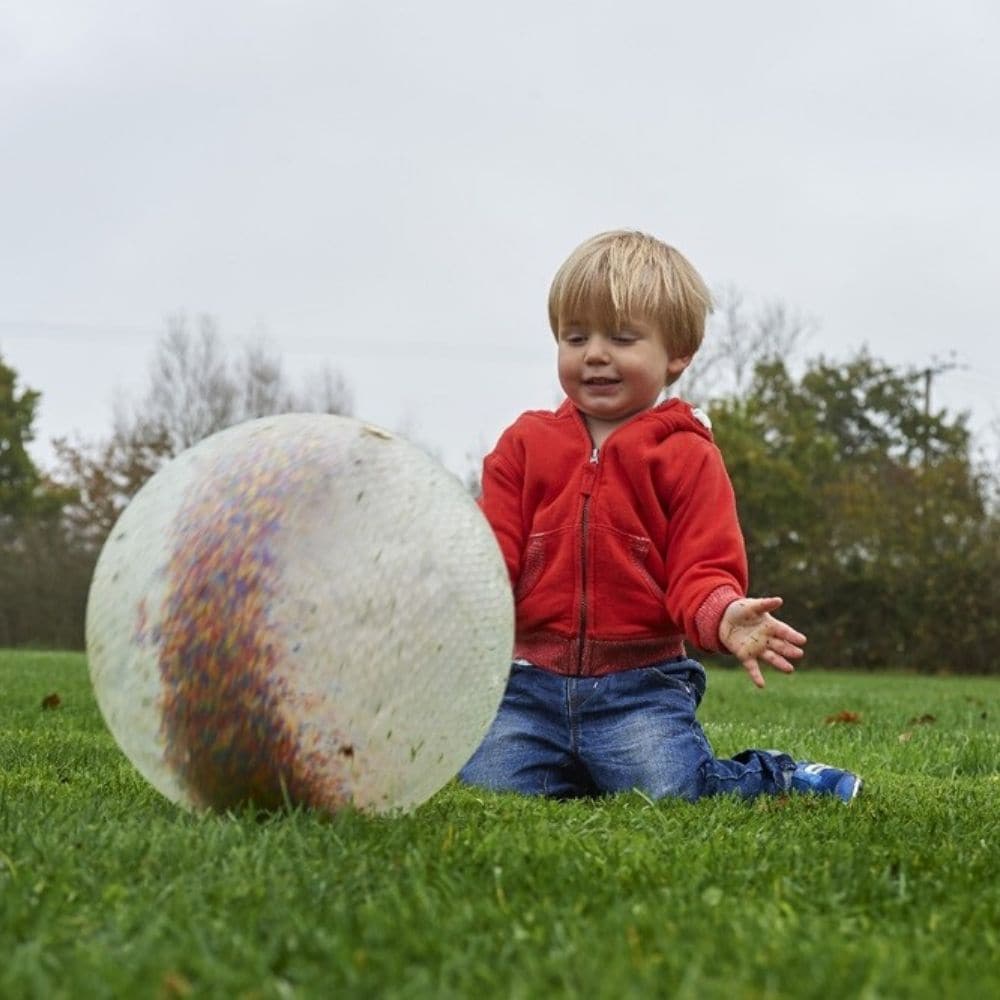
(300, 609)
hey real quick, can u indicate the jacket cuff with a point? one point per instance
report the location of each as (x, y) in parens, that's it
(709, 616)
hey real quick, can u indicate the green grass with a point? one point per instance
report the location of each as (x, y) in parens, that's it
(108, 890)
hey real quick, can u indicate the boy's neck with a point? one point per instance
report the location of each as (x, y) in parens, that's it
(600, 429)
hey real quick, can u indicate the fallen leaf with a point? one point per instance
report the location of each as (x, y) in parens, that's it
(51, 701)
(769, 803)
(905, 737)
(922, 720)
(175, 984)
(843, 717)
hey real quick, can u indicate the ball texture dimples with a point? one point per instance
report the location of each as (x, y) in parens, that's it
(300, 609)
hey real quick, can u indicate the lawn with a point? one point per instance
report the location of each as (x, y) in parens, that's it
(107, 890)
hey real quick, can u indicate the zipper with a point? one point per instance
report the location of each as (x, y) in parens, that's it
(589, 475)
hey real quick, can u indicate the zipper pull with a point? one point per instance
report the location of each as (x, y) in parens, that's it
(589, 474)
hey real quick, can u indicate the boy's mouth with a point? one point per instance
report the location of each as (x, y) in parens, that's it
(600, 381)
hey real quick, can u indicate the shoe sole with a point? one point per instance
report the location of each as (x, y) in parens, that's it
(855, 792)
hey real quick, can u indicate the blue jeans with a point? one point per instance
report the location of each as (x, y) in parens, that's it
(573, 736)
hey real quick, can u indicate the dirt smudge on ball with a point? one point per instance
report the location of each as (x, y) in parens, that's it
(225, 732)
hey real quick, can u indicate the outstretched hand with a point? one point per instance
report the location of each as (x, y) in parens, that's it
(750, 633)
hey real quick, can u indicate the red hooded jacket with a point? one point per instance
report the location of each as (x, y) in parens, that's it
(615, 555)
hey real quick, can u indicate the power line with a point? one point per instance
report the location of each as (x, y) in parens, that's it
(67, 331)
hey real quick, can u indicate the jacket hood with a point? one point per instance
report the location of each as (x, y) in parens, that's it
(673, 415)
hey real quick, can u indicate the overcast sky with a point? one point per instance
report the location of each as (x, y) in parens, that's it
(388, 188)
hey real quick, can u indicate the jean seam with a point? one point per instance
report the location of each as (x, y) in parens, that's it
(572, 716)
(688, 687)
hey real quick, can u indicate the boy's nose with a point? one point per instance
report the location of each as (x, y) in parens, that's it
(596, 352)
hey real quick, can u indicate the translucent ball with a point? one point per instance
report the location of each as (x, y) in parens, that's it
(301, 609)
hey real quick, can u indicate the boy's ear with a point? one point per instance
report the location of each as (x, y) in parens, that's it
(676, 366)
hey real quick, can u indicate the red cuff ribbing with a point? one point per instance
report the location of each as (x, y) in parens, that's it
(709, 616)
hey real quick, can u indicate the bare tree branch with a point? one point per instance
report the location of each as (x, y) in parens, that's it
(738, 339)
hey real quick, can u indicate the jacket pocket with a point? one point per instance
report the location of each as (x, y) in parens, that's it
(638, 549)
(626, 597)
(546, 590)
(533, 566)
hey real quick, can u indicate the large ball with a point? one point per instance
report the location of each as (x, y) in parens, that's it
(300, 609)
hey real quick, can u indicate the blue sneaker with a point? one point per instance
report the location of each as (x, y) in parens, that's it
(821, 779)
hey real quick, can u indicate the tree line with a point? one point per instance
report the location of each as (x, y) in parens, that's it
(867, 511)
(52, 526)
(871, 516)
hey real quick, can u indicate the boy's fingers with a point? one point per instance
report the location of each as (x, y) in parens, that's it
(779, 662)
(783, 648)
(754, 671)
(767, 603)
(784, 631)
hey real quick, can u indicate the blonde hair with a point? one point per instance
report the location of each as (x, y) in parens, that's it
(622, 275)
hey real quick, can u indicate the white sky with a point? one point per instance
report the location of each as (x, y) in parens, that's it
(388, 188)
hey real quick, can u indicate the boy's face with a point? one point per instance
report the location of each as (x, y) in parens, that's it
(611, 375)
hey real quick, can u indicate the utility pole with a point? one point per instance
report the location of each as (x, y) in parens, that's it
(928, 374)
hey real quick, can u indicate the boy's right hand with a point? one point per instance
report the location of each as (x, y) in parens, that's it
(751, 633)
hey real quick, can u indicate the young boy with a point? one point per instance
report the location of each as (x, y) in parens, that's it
(618, 524)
